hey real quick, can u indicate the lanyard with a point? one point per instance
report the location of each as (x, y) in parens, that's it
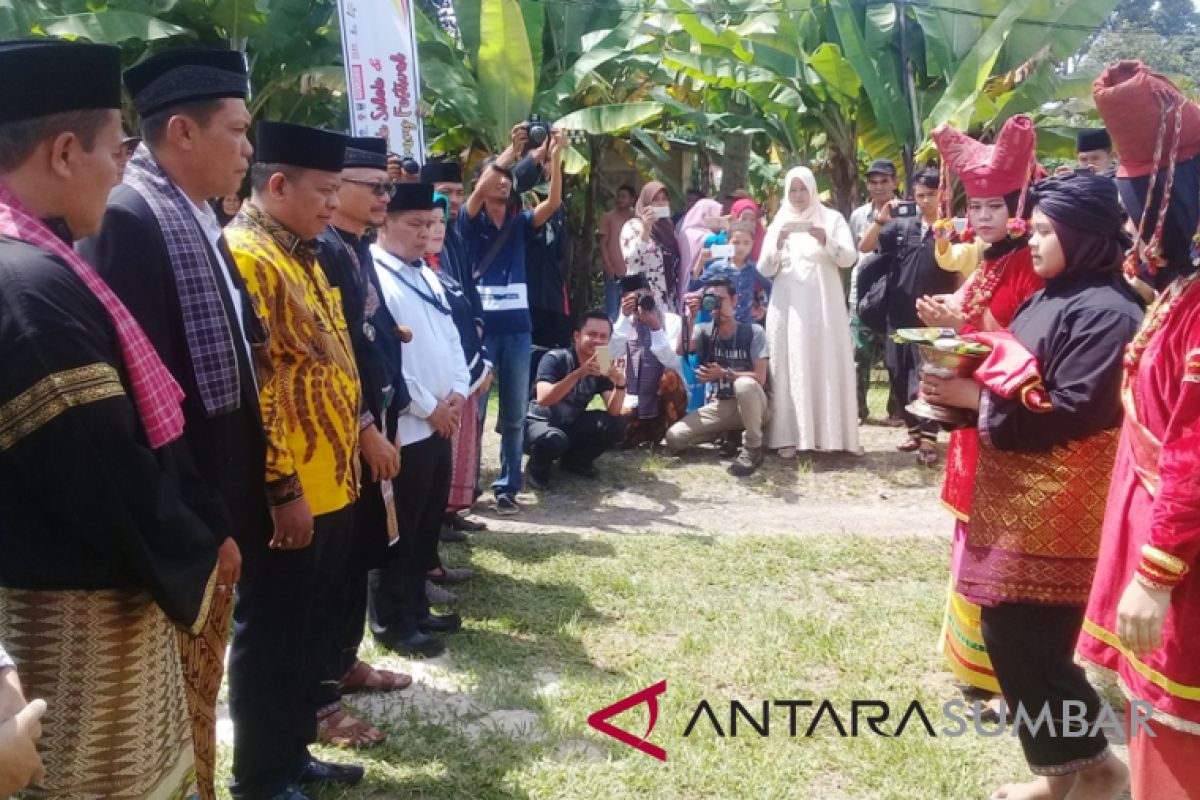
(425, 294)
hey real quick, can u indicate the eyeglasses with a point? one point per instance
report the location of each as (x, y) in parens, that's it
(379, 188)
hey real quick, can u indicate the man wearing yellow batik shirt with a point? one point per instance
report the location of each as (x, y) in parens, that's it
(309, 394)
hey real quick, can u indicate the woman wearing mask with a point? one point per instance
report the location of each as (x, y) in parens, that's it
(994, 178)
(1041, 482)
(649, 246)
(811, 362)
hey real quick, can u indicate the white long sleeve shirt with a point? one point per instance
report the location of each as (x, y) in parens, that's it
(433, 363)
(662, 344)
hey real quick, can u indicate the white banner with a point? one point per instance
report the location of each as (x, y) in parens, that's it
(383, 82)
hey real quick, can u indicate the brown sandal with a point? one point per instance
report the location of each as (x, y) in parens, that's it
(339, 729)
(910, 445)
(362, 677)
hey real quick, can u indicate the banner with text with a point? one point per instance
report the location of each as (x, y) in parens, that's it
(383, 82)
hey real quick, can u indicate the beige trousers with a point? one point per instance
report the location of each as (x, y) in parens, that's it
(746, 410)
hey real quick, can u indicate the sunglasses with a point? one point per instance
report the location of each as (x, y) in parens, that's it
(378, 188)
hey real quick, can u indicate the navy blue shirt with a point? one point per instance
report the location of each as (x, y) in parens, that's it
(502, 288)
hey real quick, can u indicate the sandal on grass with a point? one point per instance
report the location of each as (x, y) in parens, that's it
(910, 445)
(339, 729)
(362, 677)
(927, 456)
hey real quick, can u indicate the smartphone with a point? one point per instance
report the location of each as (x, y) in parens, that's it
(722, 250)
(906, 208)
(800, 226)
(662, 212)
(1085, 171)
(716, 223)
(960, 224)
(603, 359)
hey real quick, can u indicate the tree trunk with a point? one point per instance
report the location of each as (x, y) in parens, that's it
(735, 171)
(843, 176)
(581, 247)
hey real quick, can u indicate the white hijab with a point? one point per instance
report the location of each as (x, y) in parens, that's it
(814, 213)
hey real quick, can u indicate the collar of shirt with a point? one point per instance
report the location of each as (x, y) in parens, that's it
(289, 242)
(208, 221)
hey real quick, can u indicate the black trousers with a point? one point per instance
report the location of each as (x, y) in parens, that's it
(284, 636)
(396, 591)
(904, 375)
(581, 442)
(367, 550)
(1032, 648)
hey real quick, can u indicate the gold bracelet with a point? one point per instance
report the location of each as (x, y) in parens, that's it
(1164, 560)
(1149, 584)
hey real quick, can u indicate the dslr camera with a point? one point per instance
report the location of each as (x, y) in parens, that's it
(539, 132)
(710, 302)
(646, 302)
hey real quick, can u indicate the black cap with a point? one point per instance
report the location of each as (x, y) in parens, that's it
(412, 197)
(185, 75)
(441, 172)
(366, 151)
(881, 166)
(301, 146)
(1092, 139)
(632, 283)
(50, 76)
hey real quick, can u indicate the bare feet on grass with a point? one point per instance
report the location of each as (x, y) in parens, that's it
(1044, 788)
(1104, 781)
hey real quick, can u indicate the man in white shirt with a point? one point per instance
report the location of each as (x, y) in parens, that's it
(438, 382)
(649, 340)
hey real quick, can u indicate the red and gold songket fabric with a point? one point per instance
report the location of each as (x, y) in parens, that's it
(1154, 500)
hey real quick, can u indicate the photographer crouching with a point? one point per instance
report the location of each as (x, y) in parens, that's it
(559, 426)
(650, 340)
(733, 362)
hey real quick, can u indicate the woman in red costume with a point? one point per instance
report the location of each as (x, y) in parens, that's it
(1143, 616)
(994, 177)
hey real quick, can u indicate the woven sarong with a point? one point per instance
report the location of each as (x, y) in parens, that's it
(203, 660)
(465, 455)
(107, 664)
(1034, 532)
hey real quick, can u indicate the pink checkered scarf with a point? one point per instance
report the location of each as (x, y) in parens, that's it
(155, 393)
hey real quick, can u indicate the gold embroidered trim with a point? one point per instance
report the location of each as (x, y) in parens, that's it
(53, 395)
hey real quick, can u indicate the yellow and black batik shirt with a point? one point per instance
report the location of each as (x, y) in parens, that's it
(309, 390)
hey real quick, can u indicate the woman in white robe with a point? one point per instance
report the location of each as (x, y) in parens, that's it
(813, 401)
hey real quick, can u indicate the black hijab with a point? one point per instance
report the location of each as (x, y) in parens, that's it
(1086, 215)
(1182, 218)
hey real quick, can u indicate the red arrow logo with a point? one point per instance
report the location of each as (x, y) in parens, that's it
(649, 696)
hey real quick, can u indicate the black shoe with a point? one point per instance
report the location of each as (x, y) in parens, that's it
(536, 478)
(328, 772)
(580, 468)
(507, 505)
(461, 523)
(440, 623)
(747, 462)
(290, 793)
(451, 534)
(416, 645)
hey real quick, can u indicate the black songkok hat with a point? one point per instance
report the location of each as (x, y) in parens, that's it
(186, 75)
(1092, 139)
(366, 151)
(412, 197)
(441, 172)
(632, 283)
(301, 146)
(51, 76)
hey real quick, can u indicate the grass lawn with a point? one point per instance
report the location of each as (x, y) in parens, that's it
(559, 626)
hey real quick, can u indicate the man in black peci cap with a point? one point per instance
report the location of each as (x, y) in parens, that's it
(345, 256)
(435, 372)
(1094, 150)
(101, 557)
(310, 400)
(162, 252)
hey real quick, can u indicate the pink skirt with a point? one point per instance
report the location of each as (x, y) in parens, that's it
(465, 458)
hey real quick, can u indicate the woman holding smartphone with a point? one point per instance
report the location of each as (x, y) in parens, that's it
(814, 406)
(649, 246)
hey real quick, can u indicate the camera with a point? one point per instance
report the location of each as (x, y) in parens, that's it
(710, 302)
(646, 303)
(539, 132)
(906, 208)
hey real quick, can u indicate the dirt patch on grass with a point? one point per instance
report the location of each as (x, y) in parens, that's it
(881, 493)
